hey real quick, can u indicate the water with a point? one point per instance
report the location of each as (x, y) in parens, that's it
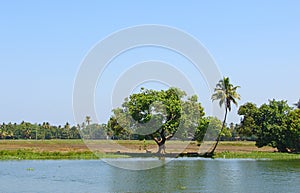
(181, 175)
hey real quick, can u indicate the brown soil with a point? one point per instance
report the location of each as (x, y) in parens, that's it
(124, 146)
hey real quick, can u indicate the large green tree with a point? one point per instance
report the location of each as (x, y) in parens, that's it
(158, 115)
(226, 94)
(274, 124)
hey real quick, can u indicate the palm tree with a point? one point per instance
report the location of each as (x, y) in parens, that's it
(297, 105)
(88, 119)
(226, 93)
(67, 129)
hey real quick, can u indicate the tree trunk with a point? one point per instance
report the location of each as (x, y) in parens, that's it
(161, 145)
(161, 142)
(161, 148)
(282, 148)
(219, 136)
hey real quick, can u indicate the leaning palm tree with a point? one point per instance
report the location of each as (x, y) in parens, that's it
(297, 105)
(226, 93)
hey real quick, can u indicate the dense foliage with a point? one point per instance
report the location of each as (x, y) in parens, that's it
(274, 124)
(157, 115)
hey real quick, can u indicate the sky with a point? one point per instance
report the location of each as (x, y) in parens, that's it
(43, 44)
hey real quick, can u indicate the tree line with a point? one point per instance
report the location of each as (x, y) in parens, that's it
(45, 131)
(171, 114)
(27, 130)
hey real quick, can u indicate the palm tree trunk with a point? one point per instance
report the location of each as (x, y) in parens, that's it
(219, 136)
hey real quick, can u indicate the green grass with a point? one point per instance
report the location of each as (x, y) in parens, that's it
(258, 155)
(33, 155)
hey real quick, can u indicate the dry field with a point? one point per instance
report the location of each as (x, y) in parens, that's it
(126, 146)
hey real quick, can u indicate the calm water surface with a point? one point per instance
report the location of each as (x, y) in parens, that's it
(181, 175)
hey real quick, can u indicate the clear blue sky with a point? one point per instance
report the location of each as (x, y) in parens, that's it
(42, 43)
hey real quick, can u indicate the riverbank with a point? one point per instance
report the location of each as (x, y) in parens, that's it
(258, 155)
(78, 149)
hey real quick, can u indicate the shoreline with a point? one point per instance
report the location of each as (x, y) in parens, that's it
(77, 149)
(10, 155)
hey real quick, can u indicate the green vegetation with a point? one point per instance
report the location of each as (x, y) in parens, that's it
(258, 155)
(274, 124)
(28, 154)
(169, 114)
(24, 154)
(26, 130)
(157, 115)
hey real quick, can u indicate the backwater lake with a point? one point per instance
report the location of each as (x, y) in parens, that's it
(178, 175)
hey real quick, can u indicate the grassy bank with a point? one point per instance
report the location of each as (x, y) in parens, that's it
(33, 155)
(258, 155)
(77, 149)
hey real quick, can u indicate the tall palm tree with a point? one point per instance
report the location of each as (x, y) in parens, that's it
(297, 104)
(226, 93)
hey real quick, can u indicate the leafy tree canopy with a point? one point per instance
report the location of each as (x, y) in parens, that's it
(275, 124)
(158, 115)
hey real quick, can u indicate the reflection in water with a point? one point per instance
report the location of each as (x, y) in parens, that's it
(138, 163)
(159, 179)
(180, 175)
